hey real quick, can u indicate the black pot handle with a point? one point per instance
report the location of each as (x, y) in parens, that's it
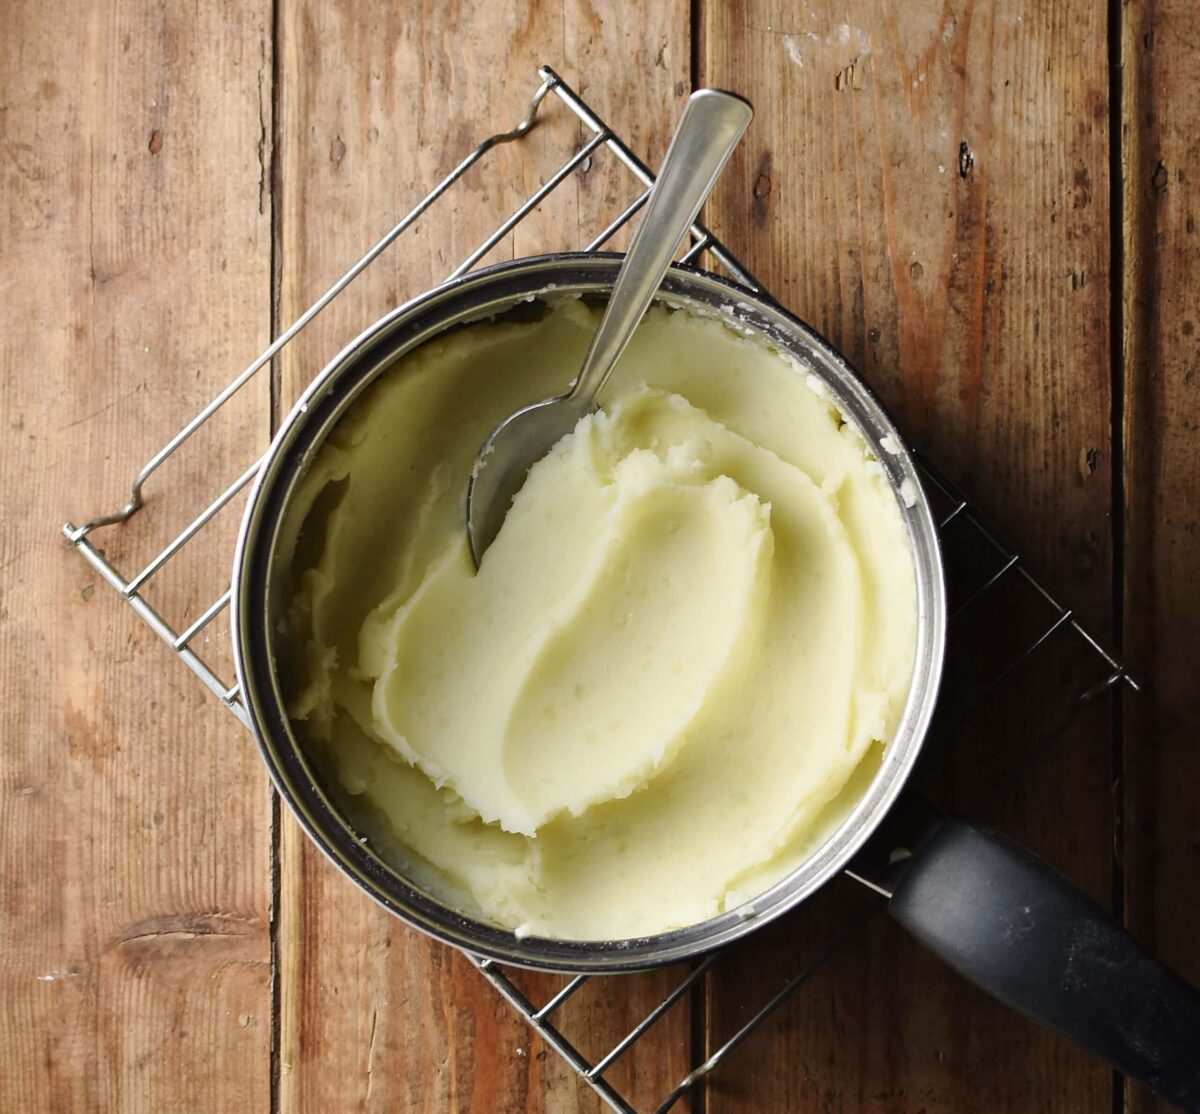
(1020, 931)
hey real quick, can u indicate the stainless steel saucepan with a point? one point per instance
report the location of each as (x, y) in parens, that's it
(990, 909)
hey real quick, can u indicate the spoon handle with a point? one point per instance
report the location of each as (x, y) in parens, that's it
(709, 129)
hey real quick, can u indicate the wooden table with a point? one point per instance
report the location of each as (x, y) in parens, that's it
(988, 206)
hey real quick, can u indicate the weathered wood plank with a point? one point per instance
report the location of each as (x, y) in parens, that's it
(136, 961)
(927, 185)
(375, 104)
(1160, 161)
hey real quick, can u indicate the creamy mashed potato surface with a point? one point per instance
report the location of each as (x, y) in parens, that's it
(677, 666)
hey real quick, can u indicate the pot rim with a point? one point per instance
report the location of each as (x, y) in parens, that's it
(475, 297)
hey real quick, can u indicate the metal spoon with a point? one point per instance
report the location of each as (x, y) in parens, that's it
(708, 131)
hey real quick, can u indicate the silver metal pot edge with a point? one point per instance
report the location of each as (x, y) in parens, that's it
(480, 295)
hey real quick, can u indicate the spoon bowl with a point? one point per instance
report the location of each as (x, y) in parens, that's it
(518, 442)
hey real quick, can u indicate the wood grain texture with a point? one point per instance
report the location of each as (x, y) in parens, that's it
(1160, 161)
(135, 966)
(926, 184)
(375, 104)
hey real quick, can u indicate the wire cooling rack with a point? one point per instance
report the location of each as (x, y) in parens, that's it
(983, 570)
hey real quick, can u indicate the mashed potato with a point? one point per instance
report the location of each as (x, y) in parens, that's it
(685, 649)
